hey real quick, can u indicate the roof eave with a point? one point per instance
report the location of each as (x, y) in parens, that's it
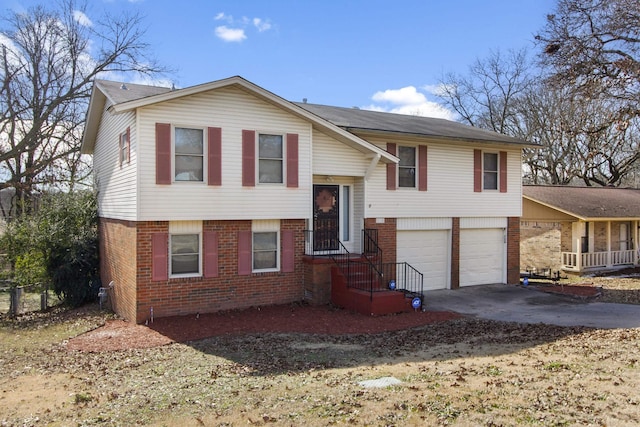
(92, 120)
(522, 144)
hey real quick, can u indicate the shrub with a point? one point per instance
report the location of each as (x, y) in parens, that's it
(58, 244)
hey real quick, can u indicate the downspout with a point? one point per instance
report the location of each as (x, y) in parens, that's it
(372, 166)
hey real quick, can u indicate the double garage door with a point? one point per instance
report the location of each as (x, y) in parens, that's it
(482, 255)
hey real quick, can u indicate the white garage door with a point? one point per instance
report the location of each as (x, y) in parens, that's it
(427, 252)
(482, 256)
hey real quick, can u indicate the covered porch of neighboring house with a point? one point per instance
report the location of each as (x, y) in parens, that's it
(600, 245)
(579, 230)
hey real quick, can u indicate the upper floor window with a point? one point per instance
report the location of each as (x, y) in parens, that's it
(407, 167)
(124, 147)
(490, 171)
(189, 154)
(270, 158)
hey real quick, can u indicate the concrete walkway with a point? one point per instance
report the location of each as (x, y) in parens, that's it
(512, 303)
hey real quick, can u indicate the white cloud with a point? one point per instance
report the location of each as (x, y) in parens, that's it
(235, 30)
(408, 100)
(230, 34)
(82, 19)
(261, 25)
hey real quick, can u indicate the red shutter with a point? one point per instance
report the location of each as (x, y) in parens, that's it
(163, 153)
(503, 171)
(248, 158)
(477, 171)
(244, 252)
(292, 160)
(391, 168)
(288, 251)
(210, 254)
(215, 156)
(422, 168)
(159, 256)
(128, 145)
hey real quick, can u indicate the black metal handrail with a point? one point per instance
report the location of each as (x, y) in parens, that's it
(364, 274)
(370, 248)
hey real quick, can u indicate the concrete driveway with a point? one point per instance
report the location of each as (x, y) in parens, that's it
(512, 303)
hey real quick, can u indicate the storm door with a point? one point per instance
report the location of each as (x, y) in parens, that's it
(326, 216)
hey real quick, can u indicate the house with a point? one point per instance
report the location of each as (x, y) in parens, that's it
(579, 229)
(225, 195)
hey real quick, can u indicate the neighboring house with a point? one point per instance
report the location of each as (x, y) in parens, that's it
(218, 196)
(579, 229)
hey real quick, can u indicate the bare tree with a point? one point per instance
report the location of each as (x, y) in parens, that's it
(580, 141)
(486, 96)
(49, 58)
(594, 47)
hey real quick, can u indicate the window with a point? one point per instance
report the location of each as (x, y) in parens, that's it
(185, 254)
(490, 171)
(265, 250)
(407, 167)
(270, 159)
(189, 154)
(123, 147)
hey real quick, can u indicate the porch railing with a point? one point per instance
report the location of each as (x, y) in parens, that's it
(363, 274)
(582, 261)
(370, 248)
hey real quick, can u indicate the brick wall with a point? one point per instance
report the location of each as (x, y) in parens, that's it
(455, 253)
(513, 250)
(387, 239)
(180, 296)
(118, 264)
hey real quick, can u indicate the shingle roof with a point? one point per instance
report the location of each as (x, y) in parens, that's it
(588, 202)
(354, 119)
(123, 92)
(350, 119)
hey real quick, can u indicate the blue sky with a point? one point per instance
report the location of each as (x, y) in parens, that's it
(375, 54)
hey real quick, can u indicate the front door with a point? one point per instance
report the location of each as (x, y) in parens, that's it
(326, 216)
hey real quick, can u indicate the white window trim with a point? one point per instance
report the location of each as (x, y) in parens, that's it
(124, 158)
(284, 158)
(497, 171)
(415, 168)
(205, 156)
(266, 226)
(346, 218)
(177, 228)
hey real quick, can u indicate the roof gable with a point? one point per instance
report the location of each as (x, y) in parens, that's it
(343, 124)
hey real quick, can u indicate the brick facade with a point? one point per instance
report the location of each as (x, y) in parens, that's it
(387, 236)
(118, 264)
(135, 293)
(455, 253)
(513, 250)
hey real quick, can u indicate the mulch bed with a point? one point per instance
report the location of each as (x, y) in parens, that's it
(294, 318)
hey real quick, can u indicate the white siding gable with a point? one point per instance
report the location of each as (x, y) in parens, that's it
(233, 111)
(116, 185)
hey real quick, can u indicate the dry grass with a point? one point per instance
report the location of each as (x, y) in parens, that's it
(463, 372)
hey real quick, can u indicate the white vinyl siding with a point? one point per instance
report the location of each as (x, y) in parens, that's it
(331, 157)
(117, 186)
(450, 171)
(233, 111)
